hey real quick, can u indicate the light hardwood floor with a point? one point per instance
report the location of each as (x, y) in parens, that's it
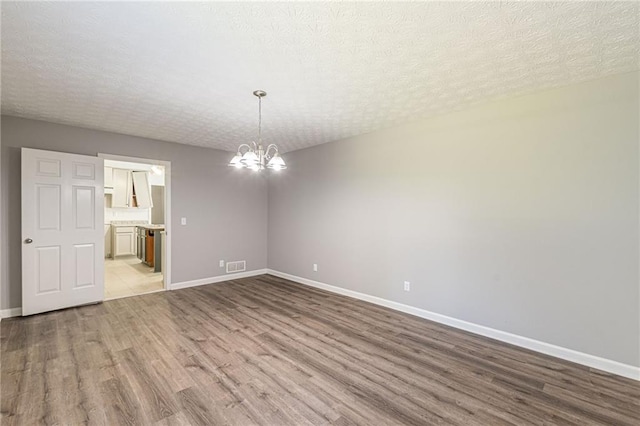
(267, 351)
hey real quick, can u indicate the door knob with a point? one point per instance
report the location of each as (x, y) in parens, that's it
(28, 241)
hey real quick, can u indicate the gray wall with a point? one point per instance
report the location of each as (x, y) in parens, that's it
(520, 215)
(225, 210)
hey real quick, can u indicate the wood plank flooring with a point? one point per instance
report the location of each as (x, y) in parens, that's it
(267, 351)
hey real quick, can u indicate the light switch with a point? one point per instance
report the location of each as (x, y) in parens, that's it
(183, 221)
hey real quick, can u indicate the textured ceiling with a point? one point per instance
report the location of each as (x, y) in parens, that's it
(184, 72)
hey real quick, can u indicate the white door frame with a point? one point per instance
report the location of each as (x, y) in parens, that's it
(167, 204)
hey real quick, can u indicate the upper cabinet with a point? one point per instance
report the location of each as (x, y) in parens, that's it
(122, 182)
(142, 190)
(129, 189)
(108, 177)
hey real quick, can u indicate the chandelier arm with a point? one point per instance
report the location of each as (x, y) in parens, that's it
(271, 146)
(244, 145)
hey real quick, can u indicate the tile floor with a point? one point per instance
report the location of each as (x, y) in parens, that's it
(128, 276)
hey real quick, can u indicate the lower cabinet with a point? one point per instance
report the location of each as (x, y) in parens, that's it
(124, 241)
(140, 236)
(107, 240)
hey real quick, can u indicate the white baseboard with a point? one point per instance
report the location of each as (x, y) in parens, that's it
(219, 278)
(11, 312)
(16, 312)
(593, 361)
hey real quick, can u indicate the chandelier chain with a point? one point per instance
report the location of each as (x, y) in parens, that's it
(260, 119)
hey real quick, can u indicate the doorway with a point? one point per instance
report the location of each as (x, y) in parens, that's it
(136, 226)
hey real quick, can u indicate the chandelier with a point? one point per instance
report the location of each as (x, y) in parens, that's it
(252, 155)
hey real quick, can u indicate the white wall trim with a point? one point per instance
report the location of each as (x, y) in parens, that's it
(11, 312)
(592, 361)
(218, 279)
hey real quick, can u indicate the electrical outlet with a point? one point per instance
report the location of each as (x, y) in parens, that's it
(407, 286)
(315, 267)
(222, 263)
(183, 221)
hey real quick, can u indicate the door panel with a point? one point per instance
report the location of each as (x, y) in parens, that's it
(84, 265)
(84, 207)
(48, 167)
(84, 171)
(48, 269)
(49, 206)
(62, 230)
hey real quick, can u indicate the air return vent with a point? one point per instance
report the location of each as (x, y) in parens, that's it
(237, 266)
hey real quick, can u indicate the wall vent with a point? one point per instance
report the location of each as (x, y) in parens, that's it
(237, 266)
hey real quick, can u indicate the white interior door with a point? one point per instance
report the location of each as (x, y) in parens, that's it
(62, 230)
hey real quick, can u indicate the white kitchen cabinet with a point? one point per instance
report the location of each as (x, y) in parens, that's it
(107, 240)
(131, 189)
(124, 241)
(122, 196)
(108, 177)
(142, 190)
